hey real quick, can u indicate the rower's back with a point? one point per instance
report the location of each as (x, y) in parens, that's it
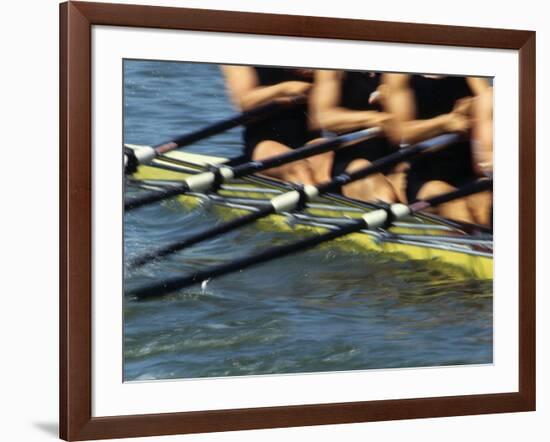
(356, 89)
(290, 127)
(437, 95)
(434, 96)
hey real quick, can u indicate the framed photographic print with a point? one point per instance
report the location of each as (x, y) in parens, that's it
(272, 221)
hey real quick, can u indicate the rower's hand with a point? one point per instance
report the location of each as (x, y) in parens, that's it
(484, 168)
(378, 119)
(378, 97)
(457, 122)
(296, 87)
(464, 106)
(291, 99)
(482, 159)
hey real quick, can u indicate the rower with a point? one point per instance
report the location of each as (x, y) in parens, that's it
(253, 86)
(482, 133)
(428, 105)
(345, 101)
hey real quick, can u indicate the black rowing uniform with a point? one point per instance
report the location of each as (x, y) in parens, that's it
(356, 89)
(453, 165)
(290, 126)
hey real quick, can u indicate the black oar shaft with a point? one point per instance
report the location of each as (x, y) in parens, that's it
(474, 187)
(406, 153)
(306, 151)
(157, 290)
(377, 218)
(152, 197)
(256, 166)
(201, 236)
(137, 155)
(246, 117)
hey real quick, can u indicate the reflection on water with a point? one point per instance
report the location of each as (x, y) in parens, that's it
(322, 310)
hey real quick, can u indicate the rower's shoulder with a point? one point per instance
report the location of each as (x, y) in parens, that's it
(479, 85)
(395, 80)
(235, 69)
(325, 75)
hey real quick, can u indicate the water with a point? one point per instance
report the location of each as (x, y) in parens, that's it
(321, 310)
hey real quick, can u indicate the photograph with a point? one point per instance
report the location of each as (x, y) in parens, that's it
(276, 220)
(291, 220)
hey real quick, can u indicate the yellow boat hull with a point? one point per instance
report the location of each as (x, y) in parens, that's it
(466, 263)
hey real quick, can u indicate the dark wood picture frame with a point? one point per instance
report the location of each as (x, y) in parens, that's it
(76, 21)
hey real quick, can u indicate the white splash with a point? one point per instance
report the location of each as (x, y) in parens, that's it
(203, 285)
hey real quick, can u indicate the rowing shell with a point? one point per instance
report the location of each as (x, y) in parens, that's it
(420, 237)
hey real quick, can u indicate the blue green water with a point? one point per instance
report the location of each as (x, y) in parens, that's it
(322, 310)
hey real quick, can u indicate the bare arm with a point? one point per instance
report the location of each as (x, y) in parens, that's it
(483, 132)
(325, 106)
(246, 93)
(478, 85)
(404, 127)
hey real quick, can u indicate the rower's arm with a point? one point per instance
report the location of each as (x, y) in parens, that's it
(483, 132)
(404, 127)
(478, 85)
(325, 106)
(246, 93)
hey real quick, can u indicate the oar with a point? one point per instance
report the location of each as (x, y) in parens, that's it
(370, 220)
(296, 199)
(146, 154)
(208, 180)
